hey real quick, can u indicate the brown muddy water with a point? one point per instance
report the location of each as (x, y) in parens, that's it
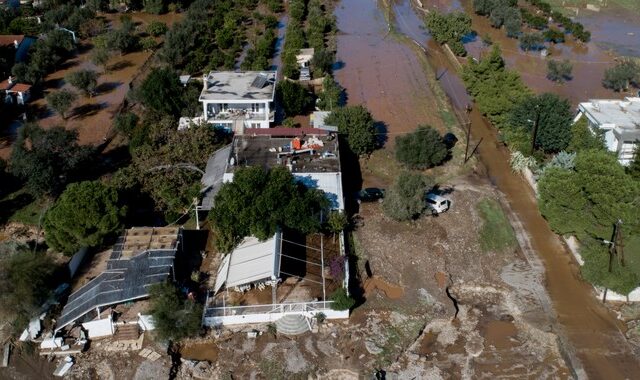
(382, 74)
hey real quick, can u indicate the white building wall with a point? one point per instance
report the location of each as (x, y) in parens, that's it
(269, 317)
(99, 328)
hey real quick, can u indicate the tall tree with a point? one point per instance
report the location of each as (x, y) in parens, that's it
(85, 214)
(161, 91)
(357, 124)
(551, 115)
(61, 101)
(587, 200)
(421, 149)
(259, 201)
(294, 98)
(47, 159)
(25, 281)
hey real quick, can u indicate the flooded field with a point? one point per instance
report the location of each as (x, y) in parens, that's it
(381, 73)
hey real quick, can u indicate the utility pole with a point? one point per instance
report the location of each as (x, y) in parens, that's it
(195, 208)
(616, 248)
(535, 130)
(466, 147)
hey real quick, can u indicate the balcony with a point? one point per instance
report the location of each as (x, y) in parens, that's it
(239, 114)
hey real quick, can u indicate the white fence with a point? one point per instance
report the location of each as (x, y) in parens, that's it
(233, 315)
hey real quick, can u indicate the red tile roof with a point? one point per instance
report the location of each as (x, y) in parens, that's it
(20, 87)
(5, 85)
(9, 39)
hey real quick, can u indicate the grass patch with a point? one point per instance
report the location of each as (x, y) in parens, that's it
(496, 234)
(22, 207)
(398, 338)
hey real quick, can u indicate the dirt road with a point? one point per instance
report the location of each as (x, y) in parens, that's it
(381, 74)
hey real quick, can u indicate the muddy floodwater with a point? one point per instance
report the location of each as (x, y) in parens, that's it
(382, 73)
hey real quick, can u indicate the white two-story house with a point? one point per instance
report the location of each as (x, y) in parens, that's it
(620, 122)
(239, 100)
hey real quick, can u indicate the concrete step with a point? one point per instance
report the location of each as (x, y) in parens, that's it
(292, 324)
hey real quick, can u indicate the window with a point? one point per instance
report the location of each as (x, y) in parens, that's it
(225, 107)
(255, 107)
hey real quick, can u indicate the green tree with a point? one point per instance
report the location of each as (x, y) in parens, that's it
(553, 115)
(587, 201)
(294, 98)
(449, 28)
(25, 281)
(100, 56)
(161, 90)
(583, 138)
(331, 95)
(174, 317)
(559, 71)
(337, 221)
(61, 101)
(47, 159)
(621, 279)
(84, 80)
(126, 123)
(405, 199)
(160, 148)
(257, 202)
(421, 149)
(155, 6)
(157, 28)
(531, 41)
(634, 167)
(341, 300)
(494, 88)
(622, 75)
(357, 124)
(85, 215)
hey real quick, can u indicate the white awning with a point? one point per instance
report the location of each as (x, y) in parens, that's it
(253, 260)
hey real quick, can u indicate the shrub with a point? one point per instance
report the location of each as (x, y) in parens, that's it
(341, 300)
(157, 28)
(559, 71)
(405, 199)
(531, 41)
(84, 80)
(421, 149)
(622, 75)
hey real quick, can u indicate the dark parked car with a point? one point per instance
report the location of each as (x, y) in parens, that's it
(370, 194)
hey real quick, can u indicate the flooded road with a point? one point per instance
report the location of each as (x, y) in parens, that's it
(368, 56)
(383, 74)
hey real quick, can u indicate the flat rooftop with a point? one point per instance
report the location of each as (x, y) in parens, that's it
(624, 114)
(229, 86)
(301, 154)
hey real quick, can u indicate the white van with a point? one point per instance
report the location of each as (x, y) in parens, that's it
(436, 203)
